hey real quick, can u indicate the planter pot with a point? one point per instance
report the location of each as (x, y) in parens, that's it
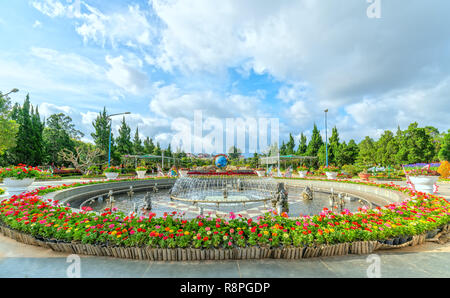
(111, 175)
(261, 173)
(364, 176)
(302, 174)
(331, 175)
(432, 233)
(424, 183)
(141, 174)
(17, 186)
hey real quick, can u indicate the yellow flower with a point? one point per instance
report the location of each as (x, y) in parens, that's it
(266, 233)
(118, 236)
(186, 233)
(114, 233)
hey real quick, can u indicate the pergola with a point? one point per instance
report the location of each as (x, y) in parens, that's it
(153, 157)
(277, 159)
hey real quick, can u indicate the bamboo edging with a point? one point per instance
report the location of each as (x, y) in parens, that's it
(213, 254)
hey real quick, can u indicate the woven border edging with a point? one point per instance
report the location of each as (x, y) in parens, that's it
(194, 254)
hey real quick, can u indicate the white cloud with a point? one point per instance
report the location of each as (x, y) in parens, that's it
(37, 24)
(125, 75)
(51, 8)
(46, 109)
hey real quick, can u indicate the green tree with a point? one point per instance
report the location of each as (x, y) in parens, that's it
(290, 146)
(149, 147)
(386, 148)
(234, 153)
(415, 145)
(137, 143)
(101, 134)
(29, 145)
(58, 134)
(444, 153)
(315, 143)
(303, 145)
(124, 145)
(333, 146)
(8, 127)
(367, 152)
(157, 151)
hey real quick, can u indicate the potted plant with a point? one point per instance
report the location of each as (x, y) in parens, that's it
(364, 175)
(331, 172)
(423, 179)
(19, 178)
(302, 171)
(112, 172)
(141, 170)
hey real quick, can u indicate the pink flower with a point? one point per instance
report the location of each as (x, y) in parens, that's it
(232, 215)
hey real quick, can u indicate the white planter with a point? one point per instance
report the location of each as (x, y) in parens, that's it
(302, 174)
(184, 173)
(424, 183)
(141, 174)
(111, 175)
(331, 175)
(17, 186)
(261, 173)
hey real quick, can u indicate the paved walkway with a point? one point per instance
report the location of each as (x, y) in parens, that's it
(427, 260)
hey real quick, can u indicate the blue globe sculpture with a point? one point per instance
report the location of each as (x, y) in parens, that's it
(221, 162)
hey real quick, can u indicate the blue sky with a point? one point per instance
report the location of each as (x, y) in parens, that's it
(162, 60)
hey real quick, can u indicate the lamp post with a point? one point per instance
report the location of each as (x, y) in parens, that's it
(110, 128)
(326, 138)
(15, 90)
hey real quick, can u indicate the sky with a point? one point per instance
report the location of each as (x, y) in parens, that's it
(162, 60)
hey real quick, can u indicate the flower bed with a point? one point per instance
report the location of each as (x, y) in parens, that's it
(29, 217)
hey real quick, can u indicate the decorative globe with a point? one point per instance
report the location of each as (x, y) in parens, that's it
(221, 162)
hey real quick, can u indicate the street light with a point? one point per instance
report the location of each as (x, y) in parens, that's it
(110, 128)
(326, 137)
(15, 90)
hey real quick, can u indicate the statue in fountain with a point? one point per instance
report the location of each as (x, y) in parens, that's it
(155, 188)
(147, 202)
(111, 199)
(240, 185)
(337, 201)
(280, 200)
(130, 193)
(308, 193)
(225, 192)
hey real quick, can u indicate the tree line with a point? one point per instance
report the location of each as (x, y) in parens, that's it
(26, 138)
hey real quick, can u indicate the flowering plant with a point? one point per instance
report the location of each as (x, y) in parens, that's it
(112, 170)
(30, 213)
(330, 169)
(20, 172)
(422, 172)
(2, 191)
(141, 168)
(302, 168)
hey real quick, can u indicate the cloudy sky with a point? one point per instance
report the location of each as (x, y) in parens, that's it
(289, 59)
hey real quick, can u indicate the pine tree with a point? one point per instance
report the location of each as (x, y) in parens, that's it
(29, 136)
(315, 143)
(303, 145)
(137, 143)
(101, 135)
(124, 145)
(290, 146)
(333, 147)
(149, 147)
